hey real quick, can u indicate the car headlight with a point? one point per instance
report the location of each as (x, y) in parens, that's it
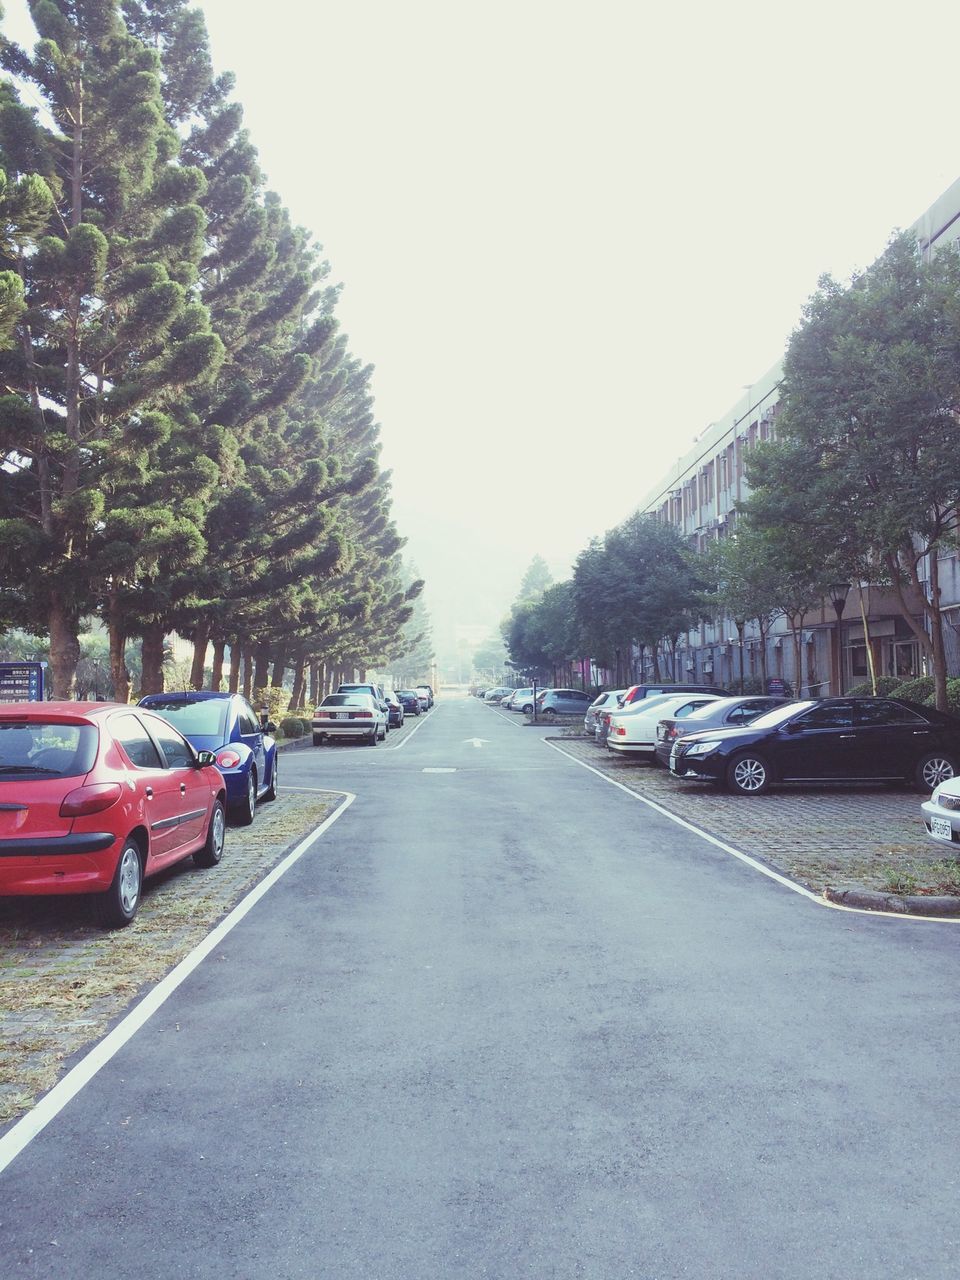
(700, 749)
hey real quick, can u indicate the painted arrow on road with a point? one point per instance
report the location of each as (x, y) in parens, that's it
(477, 742)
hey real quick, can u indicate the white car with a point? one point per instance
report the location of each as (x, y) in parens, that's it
(602, 702)
(634, 732)
(941, 813)
(349, 715)
(605, 714)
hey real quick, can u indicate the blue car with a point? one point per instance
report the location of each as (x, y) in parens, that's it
(227, 725)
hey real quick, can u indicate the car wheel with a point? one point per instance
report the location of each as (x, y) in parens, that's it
(117, 907)
(748, 775)
(374, 738)
(317, 739)
(212, 850)
(933, 769)
(247, 807)
(271, 792)
(548, 713)
(527, 710)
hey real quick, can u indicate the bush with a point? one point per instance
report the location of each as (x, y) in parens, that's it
(887, 686)
(917, 690)
(292, 727)
(953, 697)
(274, 700)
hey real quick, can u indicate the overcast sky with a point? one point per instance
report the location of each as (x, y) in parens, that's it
(569, 234)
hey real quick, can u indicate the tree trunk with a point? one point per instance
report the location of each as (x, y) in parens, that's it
(261, 674)
(299, 683)
(64, 649)
(247, 672)
(119, 675)
(279, 666)
(201, 639)
(236, 659)
(151, 650)
(216, 675)
(315, 686)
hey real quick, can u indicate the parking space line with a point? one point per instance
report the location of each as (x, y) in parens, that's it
(49, 1106)
(745, 857)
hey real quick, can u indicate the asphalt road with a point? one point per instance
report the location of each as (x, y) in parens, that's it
(508, 1022)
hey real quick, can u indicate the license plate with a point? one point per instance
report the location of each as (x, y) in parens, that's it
(673, 764)
(661, 732)
(940, 828)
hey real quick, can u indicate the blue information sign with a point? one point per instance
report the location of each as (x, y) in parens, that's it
(21, 681)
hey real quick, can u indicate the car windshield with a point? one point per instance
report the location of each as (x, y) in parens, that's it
(646, 704)
(713, 708)
(37, 749)
(205, 717)
(770, 719)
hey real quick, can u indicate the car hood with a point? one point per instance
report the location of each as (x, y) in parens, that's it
(719, 735)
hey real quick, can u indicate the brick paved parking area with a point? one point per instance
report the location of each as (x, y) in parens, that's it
(837, 837)
(63, 980)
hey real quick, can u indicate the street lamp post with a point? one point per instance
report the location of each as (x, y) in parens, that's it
(838, 592)
(740, 623)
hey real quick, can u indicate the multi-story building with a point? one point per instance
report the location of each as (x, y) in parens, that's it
(698, 496)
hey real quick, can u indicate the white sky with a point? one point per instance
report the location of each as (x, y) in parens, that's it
(569, 234)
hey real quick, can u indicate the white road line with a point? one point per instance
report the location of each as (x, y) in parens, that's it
(745, 857)
(415, 729)
(25, 1130)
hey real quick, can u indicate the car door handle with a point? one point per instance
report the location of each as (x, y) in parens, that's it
(845, 736)
(148, 792)
(920, 733)
(183, 788)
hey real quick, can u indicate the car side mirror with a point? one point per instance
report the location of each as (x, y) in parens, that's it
(205, 759)
(792, 726)
(270, 727)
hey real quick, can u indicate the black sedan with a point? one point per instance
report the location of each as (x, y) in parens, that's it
(723, 713)
(827, 740)
(410, 701)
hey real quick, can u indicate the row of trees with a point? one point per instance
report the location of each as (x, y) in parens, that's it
(186, 441)
(861, 484)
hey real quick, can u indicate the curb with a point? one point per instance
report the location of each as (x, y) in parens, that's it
(913, 904)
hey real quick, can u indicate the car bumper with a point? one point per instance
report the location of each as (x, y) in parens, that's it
(345, 730)
(709, 767)
(943, 825)
(80, 863)
(630, 748)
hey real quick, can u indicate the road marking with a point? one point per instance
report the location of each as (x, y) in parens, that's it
(25, 1130)
(439, 771)
(415, 729)
(745, 857)
(477, 742)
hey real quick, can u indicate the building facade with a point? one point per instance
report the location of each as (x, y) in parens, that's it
(829, 653)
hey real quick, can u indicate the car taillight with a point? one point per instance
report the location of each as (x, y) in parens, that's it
(93, 799)
(363, 715)
(228, 758)
(621, 730)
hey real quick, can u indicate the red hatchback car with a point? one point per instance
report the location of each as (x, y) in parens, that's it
(95, 796)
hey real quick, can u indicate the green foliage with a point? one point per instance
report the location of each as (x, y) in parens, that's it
(292, 727)
(953, 697)
(274, 700)
(917, 690)
(887, 686)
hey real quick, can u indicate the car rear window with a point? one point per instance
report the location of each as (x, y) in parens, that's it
(40, 749)
(345, 700)
(203, 716)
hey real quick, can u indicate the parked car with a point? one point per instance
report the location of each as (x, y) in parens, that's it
(635, 734)
(941, 813)
(395, 709)
(725, 713)
(827, 740)
(603, 701)
(425, 688)
(410, 701)
(562, 702)
(227, 725)
(349, 715)
(494, 695)
(96, 796)
(521, 700)
(375, 691)
(635, 708)
(636, 692)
